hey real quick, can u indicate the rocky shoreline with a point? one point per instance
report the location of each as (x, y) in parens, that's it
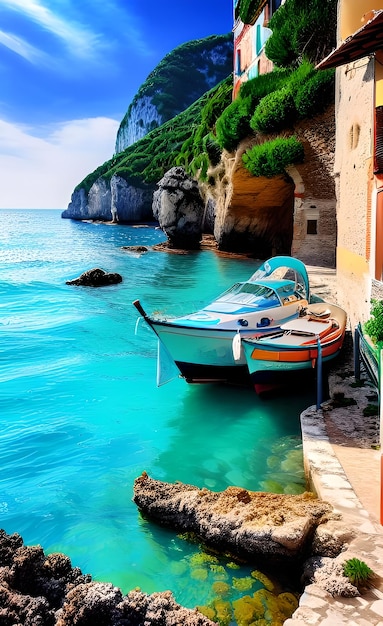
(261, 528)
(40, 590)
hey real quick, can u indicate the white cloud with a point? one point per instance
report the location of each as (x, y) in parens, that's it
(41, 172)
(79, 40)
(21, 47)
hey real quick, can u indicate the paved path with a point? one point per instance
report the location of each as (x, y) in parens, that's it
(343, 465)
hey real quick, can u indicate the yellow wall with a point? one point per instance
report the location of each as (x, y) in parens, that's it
(354, 285)
(378, 83)
(351, 263)
(351, 13)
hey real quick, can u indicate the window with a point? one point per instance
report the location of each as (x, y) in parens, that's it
(238, 63)
(312, 227)
(258, 44)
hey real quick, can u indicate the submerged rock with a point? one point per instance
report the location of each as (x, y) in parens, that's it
(266, 527)
(47, 591)
(96, 278)
(138, 249)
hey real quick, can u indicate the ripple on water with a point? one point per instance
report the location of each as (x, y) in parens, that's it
(81, 416)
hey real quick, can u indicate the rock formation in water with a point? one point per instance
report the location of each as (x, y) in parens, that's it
(179, 209)
(267, 529)
(40, 590)
(178, 80)
(96, 277)
(256, 526)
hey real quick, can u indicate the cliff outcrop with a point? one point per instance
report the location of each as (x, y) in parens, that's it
(112, 200)
(263, 162)
(268, 216)
(178, 80)
(121, 189)
(178, 207)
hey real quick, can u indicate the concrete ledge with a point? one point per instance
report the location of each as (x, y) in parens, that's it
(326, 476)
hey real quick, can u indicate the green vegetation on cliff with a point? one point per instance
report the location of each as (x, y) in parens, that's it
(184, 74)
(182, 140)
(265, 106)
(272, 157)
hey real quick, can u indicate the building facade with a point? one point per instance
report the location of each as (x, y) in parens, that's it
(359, 154)
(249, 41)
(312, 203)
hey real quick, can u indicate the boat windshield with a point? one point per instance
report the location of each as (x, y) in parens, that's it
(284, 268)
(251, 294)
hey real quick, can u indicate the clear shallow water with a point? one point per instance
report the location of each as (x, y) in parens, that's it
(81, 416)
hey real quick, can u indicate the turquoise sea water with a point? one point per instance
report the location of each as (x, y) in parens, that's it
(81, 416)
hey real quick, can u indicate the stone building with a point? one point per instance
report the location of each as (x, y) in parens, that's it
(249, 41)
(296, 213)
(359, 154)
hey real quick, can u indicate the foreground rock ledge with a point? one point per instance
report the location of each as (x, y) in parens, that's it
(40, 590)
(269, 528)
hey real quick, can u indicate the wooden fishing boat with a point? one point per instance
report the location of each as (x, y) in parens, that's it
(313, 338)
(205, 345)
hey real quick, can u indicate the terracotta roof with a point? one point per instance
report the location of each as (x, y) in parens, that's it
(363, 42)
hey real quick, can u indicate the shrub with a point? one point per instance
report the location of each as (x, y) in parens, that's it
(257, 88)
(358, 573)
(199, 166)
(301, 75)
(374, 326)
(275, 112)
(302, 29)
(315, 95)
(234, 124)
(272, 157)
(219, 99)
(212, 148)
(129, 175)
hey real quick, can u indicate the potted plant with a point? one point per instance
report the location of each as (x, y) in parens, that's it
(374, 325)
(370, 340)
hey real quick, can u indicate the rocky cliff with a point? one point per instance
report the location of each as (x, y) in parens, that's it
(262, 163)
(121, 189)
(181, 78)
(113, 200)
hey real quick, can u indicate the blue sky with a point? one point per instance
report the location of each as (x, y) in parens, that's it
(68, 71)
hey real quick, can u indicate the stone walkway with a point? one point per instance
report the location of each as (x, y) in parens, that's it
(342, 462)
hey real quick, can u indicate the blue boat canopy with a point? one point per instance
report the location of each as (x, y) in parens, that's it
(284, 267)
